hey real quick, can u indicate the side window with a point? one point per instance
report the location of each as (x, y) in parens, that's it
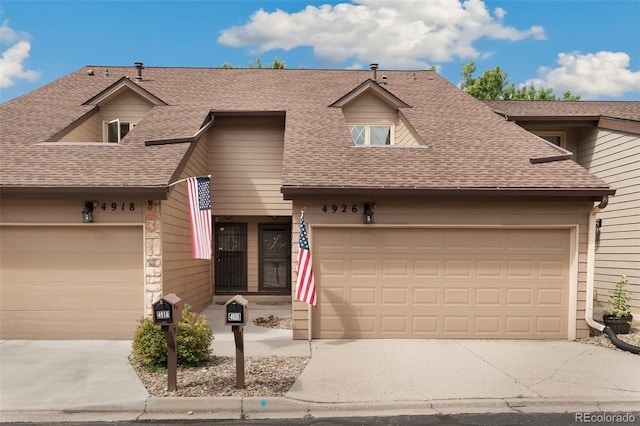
(367, 134)
(358, 134)
(115, 130)
(555, 137)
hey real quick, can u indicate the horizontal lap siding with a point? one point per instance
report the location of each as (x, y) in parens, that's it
(188, 278)
(245, 161)
(87, 131)
(127, 106)
(615, 157)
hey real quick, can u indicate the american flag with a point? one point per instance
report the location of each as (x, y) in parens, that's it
(306, 288)
(199, 199)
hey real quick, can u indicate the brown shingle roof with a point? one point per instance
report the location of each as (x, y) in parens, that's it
(627, 110)
(467, 145)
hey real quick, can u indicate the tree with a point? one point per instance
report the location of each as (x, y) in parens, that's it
(493, 85)
(277, 64)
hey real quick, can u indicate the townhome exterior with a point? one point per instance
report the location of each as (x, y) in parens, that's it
(603, 137)
(480, 229)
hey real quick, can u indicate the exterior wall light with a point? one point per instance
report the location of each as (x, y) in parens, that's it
(87, 212)
(368, 214)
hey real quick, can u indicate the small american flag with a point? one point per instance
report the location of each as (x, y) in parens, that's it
(306, 288)
(199, 199)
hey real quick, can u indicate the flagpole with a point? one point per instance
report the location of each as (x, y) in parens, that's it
(183, 180)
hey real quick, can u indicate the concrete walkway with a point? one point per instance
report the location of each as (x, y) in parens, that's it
(92, 380)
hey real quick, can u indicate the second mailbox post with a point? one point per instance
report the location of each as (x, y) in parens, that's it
(237, 315)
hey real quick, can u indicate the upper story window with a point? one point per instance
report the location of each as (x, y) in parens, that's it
(113, 131)
(371, 134)
(555, 137)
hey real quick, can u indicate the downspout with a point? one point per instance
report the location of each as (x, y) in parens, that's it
(591, 255)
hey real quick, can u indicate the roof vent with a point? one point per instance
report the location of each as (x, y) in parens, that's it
(374, 72)
(139, 68)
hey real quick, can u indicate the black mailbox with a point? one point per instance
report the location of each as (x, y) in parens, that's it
(168, 310)
(236, 311)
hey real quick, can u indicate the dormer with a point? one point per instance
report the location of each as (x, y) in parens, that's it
(117, 110)
(374, 118)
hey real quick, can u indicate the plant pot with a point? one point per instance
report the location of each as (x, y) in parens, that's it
(618, 325)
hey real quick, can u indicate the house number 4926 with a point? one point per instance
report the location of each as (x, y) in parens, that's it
(118, 206)
(342, 208)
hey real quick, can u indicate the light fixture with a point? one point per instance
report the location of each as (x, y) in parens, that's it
(598, 224)
(87, 212)
(368, 214)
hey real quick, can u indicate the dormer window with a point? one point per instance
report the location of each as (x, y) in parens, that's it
(371, 134)
(113, 131)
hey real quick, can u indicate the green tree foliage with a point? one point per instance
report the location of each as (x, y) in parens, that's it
(493, 85)
(277, 64)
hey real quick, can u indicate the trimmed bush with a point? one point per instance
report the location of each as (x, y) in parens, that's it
(194, 341)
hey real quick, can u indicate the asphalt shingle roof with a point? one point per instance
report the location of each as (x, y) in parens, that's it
(628, 110)
(467, 144)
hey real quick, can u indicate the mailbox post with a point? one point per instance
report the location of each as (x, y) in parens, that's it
(237, 315)
(167, 313)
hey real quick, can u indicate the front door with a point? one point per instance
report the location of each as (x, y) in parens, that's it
(275, 258)
(231, 258)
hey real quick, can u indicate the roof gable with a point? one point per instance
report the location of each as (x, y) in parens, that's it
(373, 87)
(117, 88)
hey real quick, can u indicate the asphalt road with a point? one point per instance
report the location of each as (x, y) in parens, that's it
(484, 419)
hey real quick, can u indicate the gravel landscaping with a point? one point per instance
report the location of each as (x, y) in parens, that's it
(270, 376)
(600, 339)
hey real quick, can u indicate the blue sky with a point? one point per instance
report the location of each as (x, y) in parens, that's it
(591, 47)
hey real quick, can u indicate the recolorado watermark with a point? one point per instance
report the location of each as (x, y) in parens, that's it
(618, 418)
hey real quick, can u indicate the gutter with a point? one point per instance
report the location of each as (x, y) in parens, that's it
(591, 254)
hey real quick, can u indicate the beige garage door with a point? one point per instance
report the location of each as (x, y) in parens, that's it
(441, 283)
(70, 282)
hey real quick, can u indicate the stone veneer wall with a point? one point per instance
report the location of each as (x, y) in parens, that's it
(153, 255)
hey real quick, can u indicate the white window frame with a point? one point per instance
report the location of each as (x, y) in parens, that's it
(367, 132)
(105, 129)
(553, 133)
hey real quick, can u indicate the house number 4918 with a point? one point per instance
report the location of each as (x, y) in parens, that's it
(342, 208)
(118, 206)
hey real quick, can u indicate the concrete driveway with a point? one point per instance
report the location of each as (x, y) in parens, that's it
(95, 375)
(425, 370)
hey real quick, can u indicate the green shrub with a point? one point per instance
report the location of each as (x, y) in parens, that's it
(194, 341)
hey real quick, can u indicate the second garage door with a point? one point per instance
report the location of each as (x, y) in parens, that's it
(441, 283)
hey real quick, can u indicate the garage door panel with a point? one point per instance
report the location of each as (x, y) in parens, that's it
(56, 325)
(121, 296)
(480, 283)
(62, 281)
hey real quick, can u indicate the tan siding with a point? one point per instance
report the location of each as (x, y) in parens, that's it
(404, 134)
(69, 211)
(188, 278)
(245, 161)
(615, 157)
(454, 214)
(127, 106)
(87, 131)
(368, 108)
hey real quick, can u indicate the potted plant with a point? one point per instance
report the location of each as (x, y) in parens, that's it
(618, 316)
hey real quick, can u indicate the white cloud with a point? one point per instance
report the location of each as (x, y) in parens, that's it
(399, 34)
(13, 57)
(592, 75)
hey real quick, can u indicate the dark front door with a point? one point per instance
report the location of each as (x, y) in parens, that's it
(231, 258)
(275, 258)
